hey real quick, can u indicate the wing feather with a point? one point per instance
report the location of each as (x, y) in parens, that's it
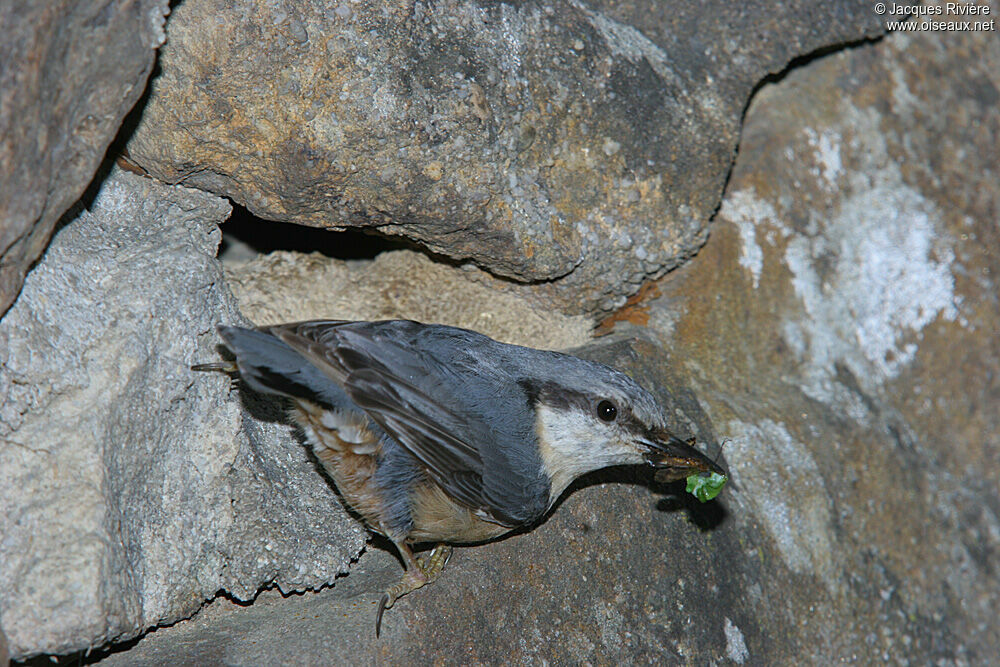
(380, 374)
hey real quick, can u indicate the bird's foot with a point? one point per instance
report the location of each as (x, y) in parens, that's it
(420, 572)
(434, 562)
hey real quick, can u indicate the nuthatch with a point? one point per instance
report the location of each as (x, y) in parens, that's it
(437, 434)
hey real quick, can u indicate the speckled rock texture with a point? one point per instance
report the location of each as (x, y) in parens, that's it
(548, 142)
(851, 288)
(402, 284)
(135, 488)
(69, 72)
(141, 488)
(837, 332)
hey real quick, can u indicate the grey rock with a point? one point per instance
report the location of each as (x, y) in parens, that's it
(853, 272)
(402, 284)
(332, 626)
(70, 72)
(547, 142)
(838, 332)
(136, 489)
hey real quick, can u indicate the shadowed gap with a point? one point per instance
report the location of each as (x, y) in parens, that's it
(245, 235)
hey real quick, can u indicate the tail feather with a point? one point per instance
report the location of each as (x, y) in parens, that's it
(269, 365)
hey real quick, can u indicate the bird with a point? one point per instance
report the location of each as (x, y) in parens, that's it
(443, 435)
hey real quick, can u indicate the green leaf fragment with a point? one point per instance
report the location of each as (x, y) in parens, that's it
(704, 487)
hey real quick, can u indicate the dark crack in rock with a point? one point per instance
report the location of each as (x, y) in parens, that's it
(69, 72)
(547, 142)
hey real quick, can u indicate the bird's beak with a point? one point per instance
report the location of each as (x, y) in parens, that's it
(675, 458)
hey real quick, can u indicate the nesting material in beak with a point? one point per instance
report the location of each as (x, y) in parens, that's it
(678, 459)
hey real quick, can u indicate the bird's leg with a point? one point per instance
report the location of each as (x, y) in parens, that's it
(419, 573)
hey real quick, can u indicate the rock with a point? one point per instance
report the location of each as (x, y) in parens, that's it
(136, 489)
(837, 332)
(72, 70)
(546, 142)
(319, 628)
(849, 289)
(402, 284)
(179, 488)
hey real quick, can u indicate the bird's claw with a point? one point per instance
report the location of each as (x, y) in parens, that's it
(383, 604)
(424, 571)
(412, 580)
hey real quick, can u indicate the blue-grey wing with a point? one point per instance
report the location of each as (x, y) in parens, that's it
(422, 385)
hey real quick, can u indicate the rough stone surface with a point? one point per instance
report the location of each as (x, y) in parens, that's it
(545, 141)
(69, 72)
(838, 330)
(850, 286)
(134, 488)
(403, 284)
(332, 626)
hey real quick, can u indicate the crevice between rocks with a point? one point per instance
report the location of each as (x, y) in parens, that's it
(778, 76)
(95, 654)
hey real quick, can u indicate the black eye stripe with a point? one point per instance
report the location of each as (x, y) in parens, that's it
(559, 397)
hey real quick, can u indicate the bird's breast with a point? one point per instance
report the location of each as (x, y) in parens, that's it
(439, 518)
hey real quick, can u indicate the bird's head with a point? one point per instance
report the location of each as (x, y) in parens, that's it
(590, 416)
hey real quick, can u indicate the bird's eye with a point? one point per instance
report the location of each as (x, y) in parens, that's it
(607, 411)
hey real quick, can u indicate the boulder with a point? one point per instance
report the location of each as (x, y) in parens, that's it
(548, 142)
(71, 71)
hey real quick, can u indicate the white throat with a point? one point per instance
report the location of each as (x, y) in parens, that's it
(569, 448)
